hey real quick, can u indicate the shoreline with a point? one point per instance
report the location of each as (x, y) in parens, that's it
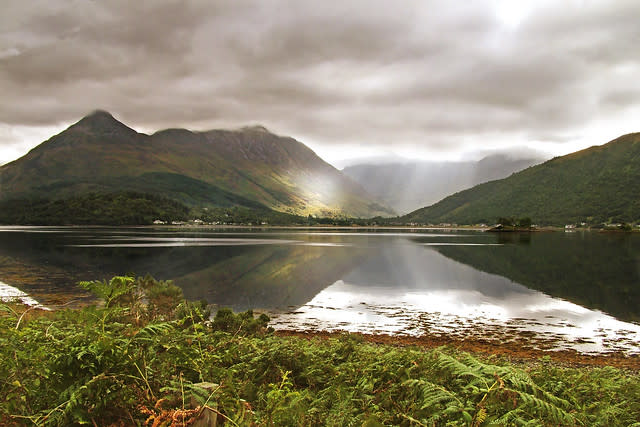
(517, 352)
(234, 226)
(513, 353)
(510, 352)
(354, 227)
(10, 293)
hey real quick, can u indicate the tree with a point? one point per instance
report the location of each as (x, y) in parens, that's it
(506, 222)
(524, 222)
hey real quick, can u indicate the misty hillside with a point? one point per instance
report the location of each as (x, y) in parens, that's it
(410, 186)
(596, 185)
(248, 167)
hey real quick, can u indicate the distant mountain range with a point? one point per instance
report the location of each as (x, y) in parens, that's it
(596, 185)
(407, 186)
(249, 167)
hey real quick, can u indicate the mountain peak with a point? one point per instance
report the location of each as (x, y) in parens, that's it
(255, 128)
(102, 122)
(99, 114)
(98, 117)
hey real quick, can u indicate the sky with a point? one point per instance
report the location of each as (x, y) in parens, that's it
(433, 80)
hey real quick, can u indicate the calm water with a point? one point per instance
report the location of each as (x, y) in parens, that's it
(579, 290)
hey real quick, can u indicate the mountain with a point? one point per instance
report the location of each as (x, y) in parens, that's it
(596, 185)
(249, 167)
(410, 185)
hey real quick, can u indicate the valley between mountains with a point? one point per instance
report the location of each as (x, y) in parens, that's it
(99, 168)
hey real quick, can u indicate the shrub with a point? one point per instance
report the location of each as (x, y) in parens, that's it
(99, 366)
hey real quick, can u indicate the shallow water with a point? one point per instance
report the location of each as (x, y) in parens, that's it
(551, 290)
(9, 293)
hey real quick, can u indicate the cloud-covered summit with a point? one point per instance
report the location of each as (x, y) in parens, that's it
(407, 77)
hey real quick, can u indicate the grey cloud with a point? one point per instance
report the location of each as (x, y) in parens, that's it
(432, 74)
(621, 98)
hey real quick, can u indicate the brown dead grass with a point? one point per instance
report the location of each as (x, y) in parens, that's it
(513, 352)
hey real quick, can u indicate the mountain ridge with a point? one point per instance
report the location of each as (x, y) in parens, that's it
(101, 154)
(599, 184)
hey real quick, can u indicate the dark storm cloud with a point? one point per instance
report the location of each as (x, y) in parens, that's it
(425, 73)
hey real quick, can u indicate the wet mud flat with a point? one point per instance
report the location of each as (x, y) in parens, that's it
(518, 339)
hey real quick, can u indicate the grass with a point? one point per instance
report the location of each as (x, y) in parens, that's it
(144, 357)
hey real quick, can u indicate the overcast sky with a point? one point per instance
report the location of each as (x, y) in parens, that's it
(417, 79)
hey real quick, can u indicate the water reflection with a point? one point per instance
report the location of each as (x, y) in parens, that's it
(405, 288)
(598, 271)
(240, 270)
(403, 282)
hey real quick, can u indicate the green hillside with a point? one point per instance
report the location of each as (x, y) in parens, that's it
(596, 185)
(123, 208)
(249, 167)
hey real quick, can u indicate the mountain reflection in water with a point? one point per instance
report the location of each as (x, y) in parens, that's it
(238, 271)
(370, 281)
(595, 270)
(409, 287)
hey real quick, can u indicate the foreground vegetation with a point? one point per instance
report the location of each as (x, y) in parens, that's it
(145, 357)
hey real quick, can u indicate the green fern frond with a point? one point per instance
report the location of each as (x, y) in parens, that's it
(456, 368)
(546, 409)
(201, 394)
(155, 329)
(6, 308)
(483, 368)
(522, 383)
(109, 291)
(432, 394)
(511, 418)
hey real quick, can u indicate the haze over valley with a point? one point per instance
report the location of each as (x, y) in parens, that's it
(408, 186)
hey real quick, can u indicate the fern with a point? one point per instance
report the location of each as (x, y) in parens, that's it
(63, 369)
(432, 394)
(480, 417)
(483, 383)
(110, 291)
(459, 370)
(522, 383)
(542, 408)
(153, 329)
